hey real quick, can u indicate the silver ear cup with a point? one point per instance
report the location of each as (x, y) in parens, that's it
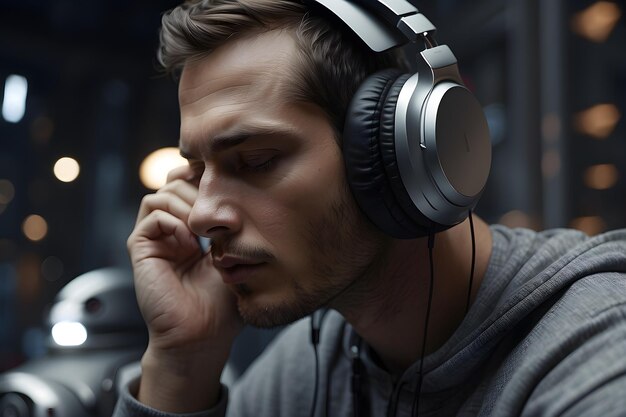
(442, 147)
(457, 146)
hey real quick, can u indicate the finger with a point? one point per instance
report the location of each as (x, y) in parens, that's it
(185, 190)
(165, 228)
(168, 202)
(180, 173)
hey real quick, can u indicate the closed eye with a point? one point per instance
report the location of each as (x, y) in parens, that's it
(258, 160)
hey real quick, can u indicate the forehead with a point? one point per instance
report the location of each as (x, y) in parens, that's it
(252, 66)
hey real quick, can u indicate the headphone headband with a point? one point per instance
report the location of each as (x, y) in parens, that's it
(381, 24)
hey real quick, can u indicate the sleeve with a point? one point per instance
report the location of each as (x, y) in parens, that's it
(279, 382)
(127, 405)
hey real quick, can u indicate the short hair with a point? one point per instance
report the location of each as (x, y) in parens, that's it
(332, 60)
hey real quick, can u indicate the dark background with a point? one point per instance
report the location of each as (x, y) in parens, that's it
(94, 94)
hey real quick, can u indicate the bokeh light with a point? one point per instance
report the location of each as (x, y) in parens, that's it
(517, 218)
(597, 21)
(154, 169)
(592, 225)
(601, 177)
(598, 121)
(66, 169)
(7, 191)
(14, 102)
(35, 227)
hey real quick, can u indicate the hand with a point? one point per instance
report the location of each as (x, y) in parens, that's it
(191, 315)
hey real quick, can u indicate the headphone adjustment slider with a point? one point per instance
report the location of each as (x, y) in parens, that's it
(442, 64)
(416, 26)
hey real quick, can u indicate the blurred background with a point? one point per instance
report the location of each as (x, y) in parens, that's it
(84, 110)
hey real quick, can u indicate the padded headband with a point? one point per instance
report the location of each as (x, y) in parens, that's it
(381, 24)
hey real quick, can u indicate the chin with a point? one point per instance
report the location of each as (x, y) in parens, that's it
(267, 311)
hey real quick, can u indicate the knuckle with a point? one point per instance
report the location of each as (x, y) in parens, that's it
(155, 215)
(170, 177)
(176, 173)
(171, 186)
(147, 199)
(130, 241)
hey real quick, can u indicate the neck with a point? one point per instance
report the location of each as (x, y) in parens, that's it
(391, 311)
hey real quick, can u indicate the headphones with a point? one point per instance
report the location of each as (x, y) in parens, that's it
(416, 146)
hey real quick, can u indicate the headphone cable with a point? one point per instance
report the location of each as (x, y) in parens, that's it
(317, 371)
(471, 280)
(418, 389)
(316, 325)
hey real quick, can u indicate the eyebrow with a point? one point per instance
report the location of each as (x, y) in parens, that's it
(221, 143)
(218, 144)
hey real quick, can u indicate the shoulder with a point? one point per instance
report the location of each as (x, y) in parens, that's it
(524, 244)
(565, 296)
(596, 294)
(579, 295)
(574, 356)
(538, 265)
(584, 350)
(592, 304)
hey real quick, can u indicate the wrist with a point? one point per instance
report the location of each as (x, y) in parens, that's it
(181, 380)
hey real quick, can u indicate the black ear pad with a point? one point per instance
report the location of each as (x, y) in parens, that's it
(387, 144)
(370, 116)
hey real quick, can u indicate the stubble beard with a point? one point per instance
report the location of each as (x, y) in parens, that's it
(348, 253)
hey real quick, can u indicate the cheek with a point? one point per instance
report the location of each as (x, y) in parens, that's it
(288, 210)
(314, 181)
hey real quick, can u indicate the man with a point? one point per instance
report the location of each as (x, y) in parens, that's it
(263, 92)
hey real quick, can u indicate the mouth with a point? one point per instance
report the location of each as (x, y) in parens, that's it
(239, 274)
(237, 271)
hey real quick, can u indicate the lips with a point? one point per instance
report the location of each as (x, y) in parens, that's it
(237, 270)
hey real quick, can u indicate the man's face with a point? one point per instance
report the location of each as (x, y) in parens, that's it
(287, 235)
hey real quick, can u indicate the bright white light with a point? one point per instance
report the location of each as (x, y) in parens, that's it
(154, 169)
(69, 333)
(66, 169)
(14, 104)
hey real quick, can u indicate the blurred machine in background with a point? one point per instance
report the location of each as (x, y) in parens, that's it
(95, 339)
(94, 329)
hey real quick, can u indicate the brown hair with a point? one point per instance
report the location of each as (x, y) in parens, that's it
(332, 62)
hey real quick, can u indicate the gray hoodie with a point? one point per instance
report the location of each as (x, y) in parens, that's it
(546, 336)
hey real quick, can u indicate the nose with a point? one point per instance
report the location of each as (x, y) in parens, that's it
(214, 214)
